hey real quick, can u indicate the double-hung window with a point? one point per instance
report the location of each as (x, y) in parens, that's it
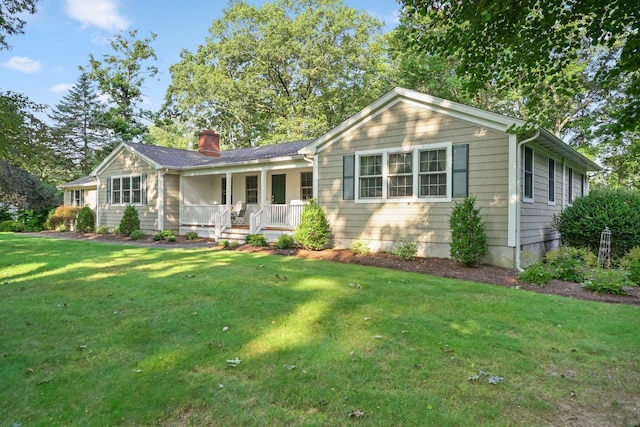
(433, 173)
(251, 183)
(527, 175)
(77, 198)
(423, 172)
(371, 177)
(127, 190)
(400, 175)
(306, 185)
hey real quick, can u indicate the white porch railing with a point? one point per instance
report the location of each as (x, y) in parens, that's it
(281, 216)
(200, 215)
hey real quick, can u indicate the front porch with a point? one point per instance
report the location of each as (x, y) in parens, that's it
(216, 222)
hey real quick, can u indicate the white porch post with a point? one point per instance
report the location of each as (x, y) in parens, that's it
(160, 203)
(228, 176)
(263, 188)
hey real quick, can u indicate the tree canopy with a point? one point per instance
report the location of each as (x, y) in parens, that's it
(501, 40)
(287, 70)
(11, 18)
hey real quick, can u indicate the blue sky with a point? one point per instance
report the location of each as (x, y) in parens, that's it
(43, 63)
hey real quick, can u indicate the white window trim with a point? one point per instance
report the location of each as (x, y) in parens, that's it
(555, 182)
(533, 175)
(130, 189)
(415, 150)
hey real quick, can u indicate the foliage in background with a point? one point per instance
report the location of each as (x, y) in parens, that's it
(581, 224)
(468, 239)
(33, 220)
(11, 225)
(130, 221)
(86, 220)
(314, 230)
(24, 190)
(282, 71)
(12, 13)
(631, 263)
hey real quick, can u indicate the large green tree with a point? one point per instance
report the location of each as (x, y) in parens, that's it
(121, 77)
(80, 127)
(284, 71)
(12, 21)
(498, 41)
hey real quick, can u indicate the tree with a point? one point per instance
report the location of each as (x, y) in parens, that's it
(468, 239)
(25, 191)
(80, 124)
(11, 22)
(533, 42)
(285, 71)
(121, 77)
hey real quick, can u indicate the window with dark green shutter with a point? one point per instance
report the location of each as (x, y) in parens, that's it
(460, 171)
(348, 176)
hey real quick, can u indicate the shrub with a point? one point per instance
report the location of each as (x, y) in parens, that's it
(257, 240)
(360, 246)
(137, 235)
(86, 220)
(285, 241)
(406, 250)
(468, 239)
(581, 224)
(631, 263)
(313, 231)
(62, 218)
(5, 215)
(130, 221)
(103, 229)
(11, 225)
(33, 220)
(223, 243)
(115, 230)
(192, 235)
(165, 235)
(607, 282)
(569, 263)
(537, 273)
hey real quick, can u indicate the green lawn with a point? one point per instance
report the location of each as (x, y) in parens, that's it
(98, 334)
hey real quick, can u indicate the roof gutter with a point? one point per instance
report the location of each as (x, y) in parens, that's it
(519, 198)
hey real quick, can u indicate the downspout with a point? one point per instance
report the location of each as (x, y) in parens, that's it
(519, 198)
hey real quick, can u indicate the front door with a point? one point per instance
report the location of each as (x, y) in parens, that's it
(278, 193)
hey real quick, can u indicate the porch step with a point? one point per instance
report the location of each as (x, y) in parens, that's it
(238, 234)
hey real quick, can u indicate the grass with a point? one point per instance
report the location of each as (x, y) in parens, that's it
(103, 334)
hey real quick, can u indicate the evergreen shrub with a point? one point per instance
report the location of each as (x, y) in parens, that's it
(285, 241)
(130, 221)
(468, 239)
(86, 220)
(313, 231)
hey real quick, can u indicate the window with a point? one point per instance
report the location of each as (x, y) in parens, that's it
(552, 182)
(570, 186)
(306, 185)
(77, 198)
(251, 186)
(421, 172)
(371, 177)
(527, 175)
(128, 190)
(433, 173)
(400, 175)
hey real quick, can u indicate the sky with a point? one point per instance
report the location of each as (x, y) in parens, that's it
(43, 62)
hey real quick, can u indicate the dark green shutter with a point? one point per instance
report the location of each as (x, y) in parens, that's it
(460, 171)
(143, 189)
(348, 176)
(108, 190)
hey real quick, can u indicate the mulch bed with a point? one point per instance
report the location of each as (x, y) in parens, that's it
(434, 266)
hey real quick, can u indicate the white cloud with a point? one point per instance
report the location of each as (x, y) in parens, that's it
(61, 87)
(23, 64)
(102, 14)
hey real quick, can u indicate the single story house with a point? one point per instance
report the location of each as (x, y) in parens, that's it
(389, 173)
(80, 192)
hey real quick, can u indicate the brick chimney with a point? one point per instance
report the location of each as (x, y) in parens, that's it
(209, 143)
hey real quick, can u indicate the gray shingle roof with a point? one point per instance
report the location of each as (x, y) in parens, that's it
(81, 182)
(178, 159)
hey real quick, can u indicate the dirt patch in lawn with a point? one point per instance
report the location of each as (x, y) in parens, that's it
(434, 266)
